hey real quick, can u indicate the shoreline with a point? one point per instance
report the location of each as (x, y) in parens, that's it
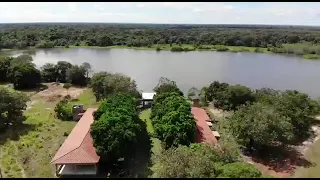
(184, 48)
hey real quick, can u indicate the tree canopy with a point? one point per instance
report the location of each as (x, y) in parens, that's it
(171, 116)
(12, 104)
(24, 75)
(106, 84)
(57, 34)
(228, 97)
(119, 133)
(199, 161)
(166, 85)
(258, 124)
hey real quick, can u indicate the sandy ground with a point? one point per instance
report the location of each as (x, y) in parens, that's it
(55, 92)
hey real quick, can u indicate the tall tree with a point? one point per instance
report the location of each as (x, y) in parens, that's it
(11, 107)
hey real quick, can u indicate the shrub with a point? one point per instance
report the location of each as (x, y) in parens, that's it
(177, 49)
(63, 110)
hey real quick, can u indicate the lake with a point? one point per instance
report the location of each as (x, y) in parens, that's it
(255, 70)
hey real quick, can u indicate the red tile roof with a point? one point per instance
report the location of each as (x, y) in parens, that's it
(204, 133)
(78, 147)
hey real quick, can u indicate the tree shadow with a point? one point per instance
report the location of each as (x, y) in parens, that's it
(15, 132)
(307, 135)
(280, 158)
(37, 89)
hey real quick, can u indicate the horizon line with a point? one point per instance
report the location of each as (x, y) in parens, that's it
(154, 23)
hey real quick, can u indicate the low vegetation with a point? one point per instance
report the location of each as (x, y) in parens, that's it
(201, 161)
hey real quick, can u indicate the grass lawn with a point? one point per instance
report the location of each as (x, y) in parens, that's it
(28, 150)
(145, 116)
(312, 155)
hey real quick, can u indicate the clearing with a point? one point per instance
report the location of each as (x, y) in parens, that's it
(27, 150)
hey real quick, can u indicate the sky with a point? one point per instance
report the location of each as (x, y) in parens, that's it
(277, 13)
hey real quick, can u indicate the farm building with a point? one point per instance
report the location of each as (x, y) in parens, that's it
(77, 155)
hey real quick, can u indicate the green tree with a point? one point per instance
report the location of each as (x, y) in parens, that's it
(63, 110)
(172, 119)
(24, 75)
(49, 73)
(193, 92)
(67, 86)
(239, 170)
(4, 66)
(87, 67)
(298, 107)
(11, 107)
(195, 161)
(119, 133)
(106, 84)
(215, 88)
(62, 68)
(166, 85)
(76, 75)
(259, 125)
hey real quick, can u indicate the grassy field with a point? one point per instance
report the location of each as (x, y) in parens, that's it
(28, 150)
(145, 116)
(312, 155)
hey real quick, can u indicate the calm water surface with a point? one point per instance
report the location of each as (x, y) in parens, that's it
(197, 69)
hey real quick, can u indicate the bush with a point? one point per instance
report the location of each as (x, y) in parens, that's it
(239, 170)
(199, 161)
(63, 110)
(158, 49)
(45, 45)
(177, 49)
(221, 48)
(65, 134)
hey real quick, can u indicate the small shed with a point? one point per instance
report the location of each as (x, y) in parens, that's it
(147, 98)
(195, 100)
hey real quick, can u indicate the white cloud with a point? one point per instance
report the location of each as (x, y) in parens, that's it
(162, 12)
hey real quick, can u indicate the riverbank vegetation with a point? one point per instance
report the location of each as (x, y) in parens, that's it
(236, 38)
(23, 74)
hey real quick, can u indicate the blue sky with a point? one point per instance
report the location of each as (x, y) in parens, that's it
(280, 13)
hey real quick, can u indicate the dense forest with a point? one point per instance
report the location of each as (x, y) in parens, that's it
(65, 34)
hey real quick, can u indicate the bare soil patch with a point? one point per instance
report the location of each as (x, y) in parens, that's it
(55, 91)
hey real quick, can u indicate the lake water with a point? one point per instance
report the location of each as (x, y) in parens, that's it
(255, 70)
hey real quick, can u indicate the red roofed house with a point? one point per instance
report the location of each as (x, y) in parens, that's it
(204, 133)
(77, 155)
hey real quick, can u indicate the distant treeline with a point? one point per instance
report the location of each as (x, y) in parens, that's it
(46, 35)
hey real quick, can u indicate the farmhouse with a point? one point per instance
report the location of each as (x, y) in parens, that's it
(77, 155)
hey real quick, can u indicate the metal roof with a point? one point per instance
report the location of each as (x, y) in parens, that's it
(148, 96)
